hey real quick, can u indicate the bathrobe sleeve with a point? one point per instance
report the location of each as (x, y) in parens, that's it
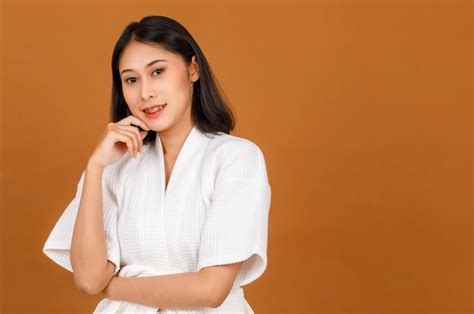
(58, 244)
(236, 226)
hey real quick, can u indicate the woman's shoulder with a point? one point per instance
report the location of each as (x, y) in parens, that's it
(227, 149)
(227, 146)
(241, 158)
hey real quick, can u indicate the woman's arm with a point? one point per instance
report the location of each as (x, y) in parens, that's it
(207, 288)
(92, 270)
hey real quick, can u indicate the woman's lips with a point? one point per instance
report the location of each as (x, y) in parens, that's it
(153, 115)
(151, 107)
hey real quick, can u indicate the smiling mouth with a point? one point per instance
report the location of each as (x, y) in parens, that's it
(155, 108)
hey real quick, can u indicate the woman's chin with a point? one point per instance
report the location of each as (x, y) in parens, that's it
(157, 126)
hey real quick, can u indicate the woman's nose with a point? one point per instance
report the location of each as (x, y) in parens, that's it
(147, 90)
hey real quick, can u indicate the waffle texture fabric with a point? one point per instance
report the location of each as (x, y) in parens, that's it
(213, 211)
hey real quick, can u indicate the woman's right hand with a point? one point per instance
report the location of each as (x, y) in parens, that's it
(117, 139)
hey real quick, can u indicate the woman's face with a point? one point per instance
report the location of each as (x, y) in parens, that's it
(147, 82)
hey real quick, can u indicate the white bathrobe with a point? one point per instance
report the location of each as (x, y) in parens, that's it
(214, 211)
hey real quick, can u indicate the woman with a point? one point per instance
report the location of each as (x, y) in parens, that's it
(169, 202)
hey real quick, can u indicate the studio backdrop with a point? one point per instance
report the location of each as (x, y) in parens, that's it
(363, 110)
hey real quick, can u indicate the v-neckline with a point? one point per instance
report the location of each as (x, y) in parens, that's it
(171, 171)
(183, 156)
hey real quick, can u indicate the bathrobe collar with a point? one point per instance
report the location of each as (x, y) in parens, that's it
(194, 142)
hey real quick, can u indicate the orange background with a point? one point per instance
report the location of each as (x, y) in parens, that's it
(363, 110)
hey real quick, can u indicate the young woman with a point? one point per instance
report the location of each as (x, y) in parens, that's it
(169, 202)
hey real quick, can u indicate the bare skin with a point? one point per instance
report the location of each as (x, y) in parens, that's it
(144, 84)
(167, 82)
(91, 269)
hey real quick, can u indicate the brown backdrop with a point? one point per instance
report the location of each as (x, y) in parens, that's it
(363, 110)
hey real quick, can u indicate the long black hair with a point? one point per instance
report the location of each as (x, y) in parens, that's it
(210, 110)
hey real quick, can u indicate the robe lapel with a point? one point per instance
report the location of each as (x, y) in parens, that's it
(182, 181)
(180, 173)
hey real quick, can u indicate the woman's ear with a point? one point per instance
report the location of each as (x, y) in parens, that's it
(194, 70)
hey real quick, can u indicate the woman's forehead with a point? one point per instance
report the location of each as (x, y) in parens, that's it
(137, 55)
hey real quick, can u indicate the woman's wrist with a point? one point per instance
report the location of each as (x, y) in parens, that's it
(92, 167)
(109, 290)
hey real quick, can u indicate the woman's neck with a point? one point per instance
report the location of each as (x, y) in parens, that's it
(172, 140)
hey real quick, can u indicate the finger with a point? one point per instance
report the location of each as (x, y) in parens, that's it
(132, 119)
(138, 136)
(132, 135)
(124, 138)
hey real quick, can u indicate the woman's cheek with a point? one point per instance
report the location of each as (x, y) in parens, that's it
(129, 96)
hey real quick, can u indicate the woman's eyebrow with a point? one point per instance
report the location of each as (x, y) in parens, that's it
(148, 65)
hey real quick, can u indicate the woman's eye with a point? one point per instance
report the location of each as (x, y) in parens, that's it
(128, 80)
(161, 70)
